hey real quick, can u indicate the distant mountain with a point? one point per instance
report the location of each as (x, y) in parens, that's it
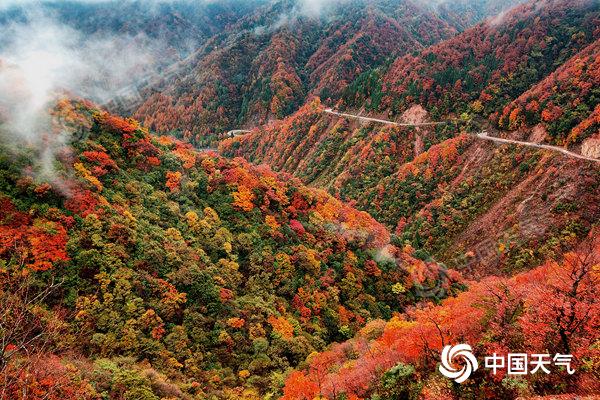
(484, 68)
(565, 104)
(180, 26)
(268, 64)
(463, 14)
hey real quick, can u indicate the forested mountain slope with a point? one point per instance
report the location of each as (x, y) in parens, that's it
(167, 272)
(564, 107)
(267, 65)
(436, 186)
(181, 25)
(463, 200)
(486, 209)
(463, 14)
(320, 256)
(552, 307)
(486, 67)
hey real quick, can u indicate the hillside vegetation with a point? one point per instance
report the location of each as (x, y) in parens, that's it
(310, 203)
(270, 62)
(165, 271)
(531, 74)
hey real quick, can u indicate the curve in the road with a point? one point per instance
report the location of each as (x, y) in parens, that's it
(482, 135)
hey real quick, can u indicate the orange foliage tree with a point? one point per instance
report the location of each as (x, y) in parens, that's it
(552, 308)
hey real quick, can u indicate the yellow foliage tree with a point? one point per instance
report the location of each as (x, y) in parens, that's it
(243, 198)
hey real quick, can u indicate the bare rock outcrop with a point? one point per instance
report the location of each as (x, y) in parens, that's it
(538, 134)
(591, 148)
(416, 114)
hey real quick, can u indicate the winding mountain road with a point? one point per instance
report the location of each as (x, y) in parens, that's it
(482, 135)
(382, 121)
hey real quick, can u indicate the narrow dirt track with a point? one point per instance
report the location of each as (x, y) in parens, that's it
(382, 121)
(482, 135)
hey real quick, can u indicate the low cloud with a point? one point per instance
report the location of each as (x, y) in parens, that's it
(312, 9)
(317, 8)
(5, 4)
(42, 60)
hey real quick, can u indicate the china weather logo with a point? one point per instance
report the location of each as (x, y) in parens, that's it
(452, 354)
